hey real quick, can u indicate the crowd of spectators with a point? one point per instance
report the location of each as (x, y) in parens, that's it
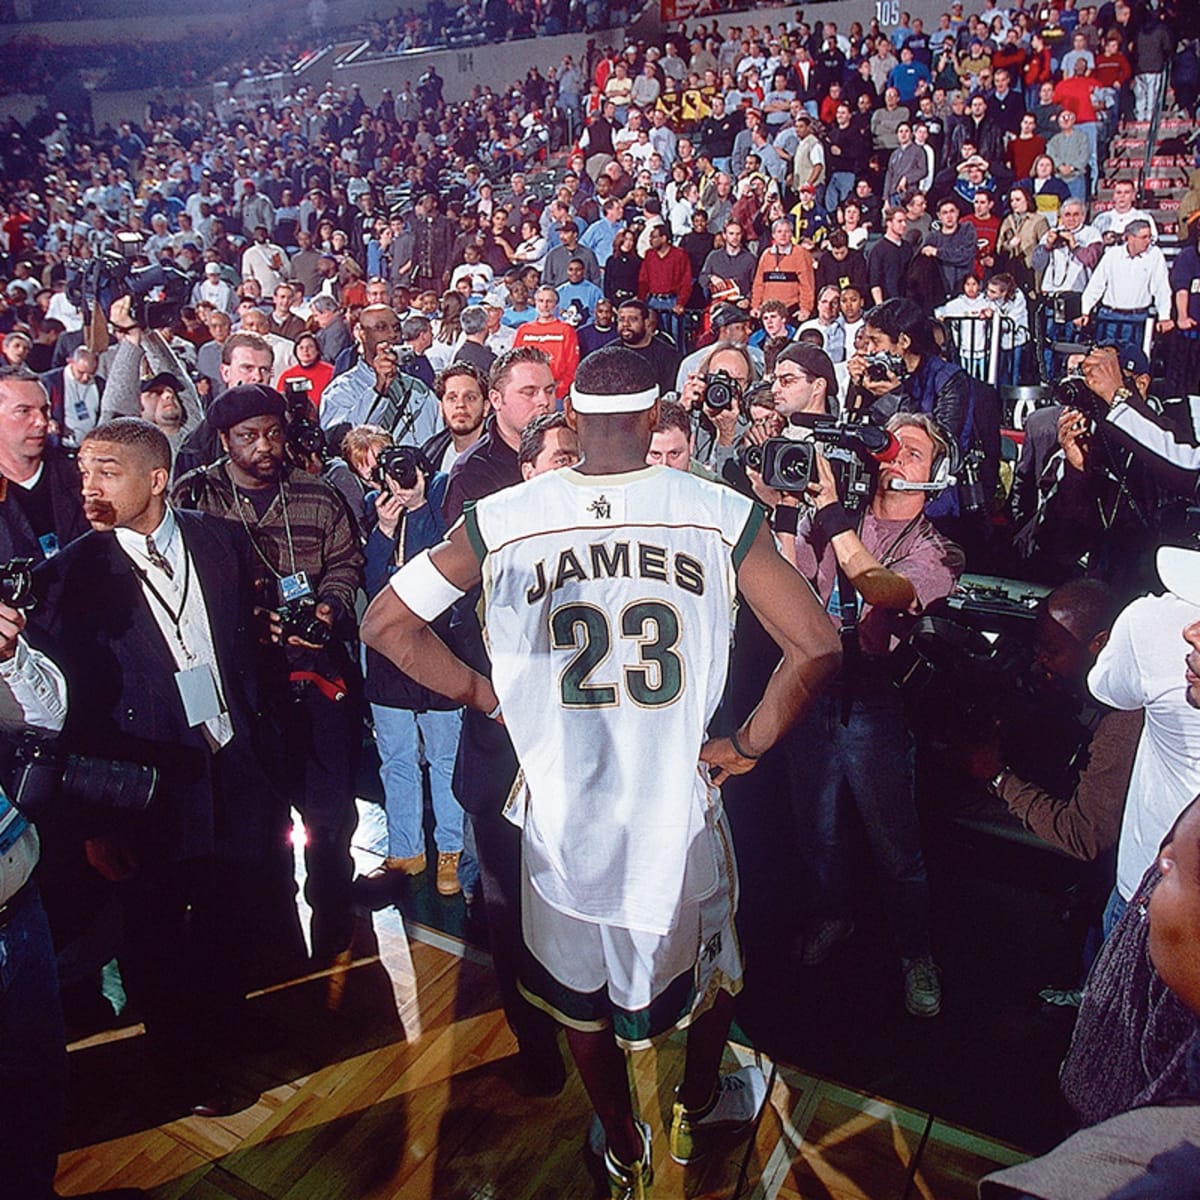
(792, 224)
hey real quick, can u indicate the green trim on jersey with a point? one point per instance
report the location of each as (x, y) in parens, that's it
(754, 521)
(471, 521)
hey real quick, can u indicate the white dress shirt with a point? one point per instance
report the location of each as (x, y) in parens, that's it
(1123, 280)
(190, 641)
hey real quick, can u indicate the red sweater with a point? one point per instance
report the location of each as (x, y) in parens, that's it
(557, 340)
(669, 274)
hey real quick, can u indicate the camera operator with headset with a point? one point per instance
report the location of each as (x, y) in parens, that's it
(33, 1065)
(904, 371)
(409, 718)
(875, 570)
(308, 566)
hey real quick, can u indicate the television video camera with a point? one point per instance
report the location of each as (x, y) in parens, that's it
(854, 449)
(158, 293)
(969, 666)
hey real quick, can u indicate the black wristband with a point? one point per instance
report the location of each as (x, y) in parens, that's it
(786, 518)
(832, 520)
(740, 750)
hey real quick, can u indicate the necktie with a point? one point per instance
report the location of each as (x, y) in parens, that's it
(156, 558)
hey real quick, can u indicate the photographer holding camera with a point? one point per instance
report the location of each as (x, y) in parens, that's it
(375, 391)
(409, 718)
(1107, 504)
(714, 395)
(168, 399)
(904, 371)
(892, 561)
(308, 565)
(33, 695)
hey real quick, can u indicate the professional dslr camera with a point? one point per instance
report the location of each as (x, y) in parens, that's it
(882, 364)
(158, 293)
(45, 775)
(299, 619)
(722, 391)
(16, 584)
(304, 434)
(400, 466)
(1072, 390)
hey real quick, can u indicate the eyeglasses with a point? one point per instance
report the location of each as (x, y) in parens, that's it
(789, 379)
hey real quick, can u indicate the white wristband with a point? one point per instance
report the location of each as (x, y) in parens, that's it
(424, 588)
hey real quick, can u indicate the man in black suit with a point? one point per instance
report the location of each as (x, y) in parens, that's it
(149, 616)
(40, 505)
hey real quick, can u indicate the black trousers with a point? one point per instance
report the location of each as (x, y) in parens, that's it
(186, 957)
(323, 739)
(498, 848)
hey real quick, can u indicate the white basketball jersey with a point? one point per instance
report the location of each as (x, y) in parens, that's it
(608, 613)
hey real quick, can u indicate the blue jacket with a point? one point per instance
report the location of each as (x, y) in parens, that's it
(386, 684)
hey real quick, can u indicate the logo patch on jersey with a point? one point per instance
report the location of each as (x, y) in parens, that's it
(601, 508)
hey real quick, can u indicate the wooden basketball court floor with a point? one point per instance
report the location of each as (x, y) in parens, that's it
(391, 1077)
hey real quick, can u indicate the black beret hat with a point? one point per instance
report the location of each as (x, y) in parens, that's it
(243, 402)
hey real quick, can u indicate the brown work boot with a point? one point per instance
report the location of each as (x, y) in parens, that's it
(447, 874)
(406, 866)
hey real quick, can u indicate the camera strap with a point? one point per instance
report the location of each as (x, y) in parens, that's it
(175, 617)
(403, 409)
(238, 501)
(398, 540)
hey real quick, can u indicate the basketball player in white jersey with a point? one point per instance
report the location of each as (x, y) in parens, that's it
(609, 590)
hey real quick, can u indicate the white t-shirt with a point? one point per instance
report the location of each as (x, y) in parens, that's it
(608, 613)
(1142, 666)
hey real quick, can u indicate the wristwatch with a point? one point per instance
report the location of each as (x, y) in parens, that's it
(1121, 396)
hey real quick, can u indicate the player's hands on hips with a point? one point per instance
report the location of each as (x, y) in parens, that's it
(723, 760)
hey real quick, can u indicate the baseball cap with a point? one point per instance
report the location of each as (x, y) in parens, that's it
(212, 269)
(164, 379)
(493, 300)
(812, 361)
(1179, 570)
(726, 314)
(1133, 359)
